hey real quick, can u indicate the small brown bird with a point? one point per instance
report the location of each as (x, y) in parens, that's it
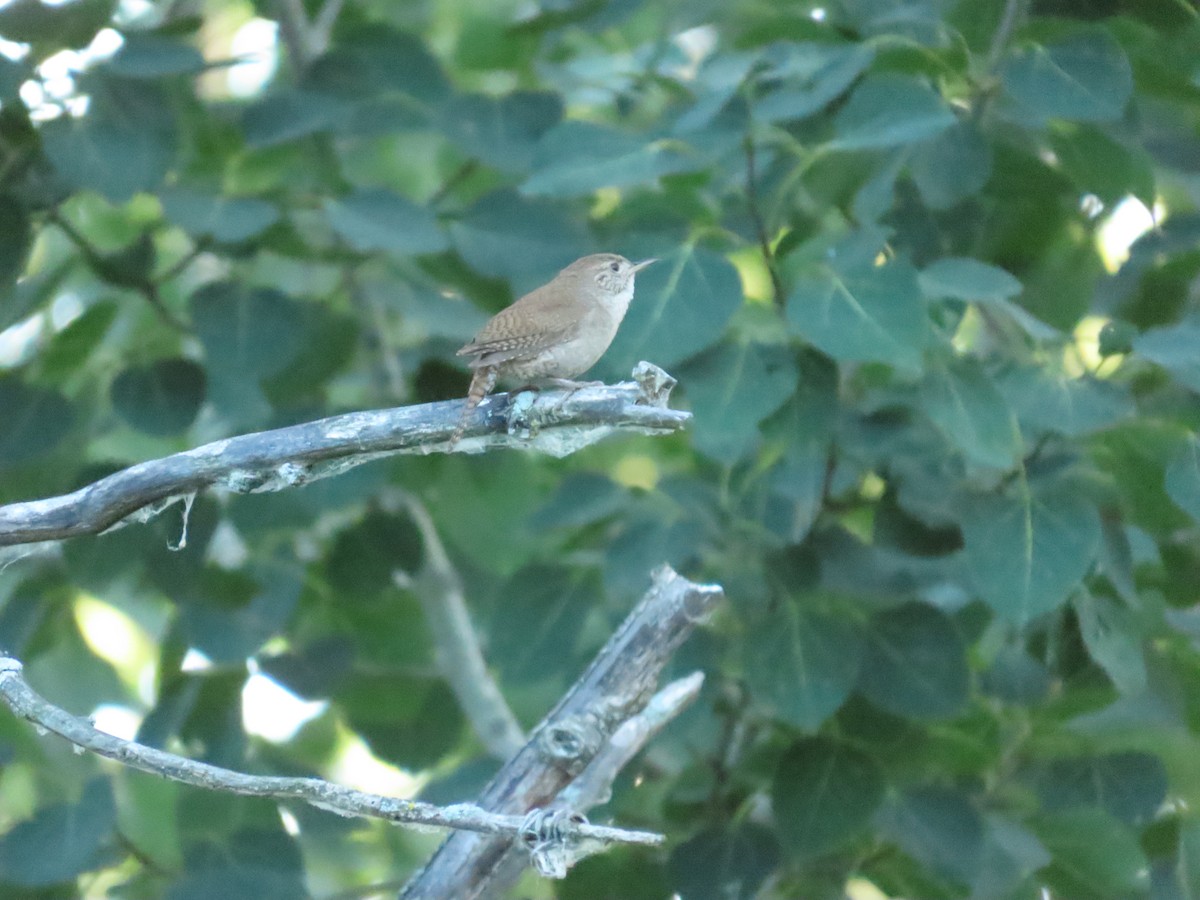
(553, 333)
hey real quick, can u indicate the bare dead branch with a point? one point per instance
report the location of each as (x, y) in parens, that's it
(554, 422)
(615, 688)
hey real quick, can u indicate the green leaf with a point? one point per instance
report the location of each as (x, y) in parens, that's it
(681, 307)
(520, 239)
(802, 664)
(123, 144)
(1113, 639)
(379, 220)
(1093, 855)
(371, 59)
(1174, 348)
(71, 348)
(1010, 854)
(1183, 477)
(1085, 77)
(575, 158)
(890, 111)
(810, 76)
(16, 237)
(915, 663)
(1027, 552)
(824, 792)
(952, 166)
(162, 398)
(153, 56)
(1049, 402)
(364, 556)
(728, 862)
(938, 827)
(231, 321)
(418, 725)
(287, 115)
(869, 314)
(731, 388)
(537, 623)
(35, 420)
(967, 279)
(503, 132)
(61, 841)
(1130, 786)
(971, 413)
(1100, 165)
(69, 25)
(229, 220)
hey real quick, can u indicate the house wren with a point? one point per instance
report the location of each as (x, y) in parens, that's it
(555, 332)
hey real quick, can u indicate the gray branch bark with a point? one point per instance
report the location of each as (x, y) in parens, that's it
(29, 705)
(616, 687)
(460, 659)
(554, 422)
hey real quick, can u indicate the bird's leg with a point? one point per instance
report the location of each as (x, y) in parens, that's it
(482, 382)
(570, 386)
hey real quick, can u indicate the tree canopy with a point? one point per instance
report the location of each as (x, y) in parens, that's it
(930, 286)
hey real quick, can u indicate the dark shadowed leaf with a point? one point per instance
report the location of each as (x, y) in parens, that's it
(537, 623)
(824, 792)
(802, 664)
(890, 111)
(15, 240)
(1085, 77)
(724, 863)
(732, 387)
(61, 841)
(162, 398)
(868, 314)
(1027, 552)
(35, 420)
(1129, 786)
(914, 663)
(938, 827)
(1094, 855)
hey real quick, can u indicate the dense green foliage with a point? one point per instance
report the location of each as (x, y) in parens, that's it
(943, 459)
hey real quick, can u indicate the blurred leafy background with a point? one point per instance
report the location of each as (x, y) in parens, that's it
(929, 285)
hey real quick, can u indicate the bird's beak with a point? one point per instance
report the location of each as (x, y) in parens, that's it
(645, 262)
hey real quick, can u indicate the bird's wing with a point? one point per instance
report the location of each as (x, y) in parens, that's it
(530, 325)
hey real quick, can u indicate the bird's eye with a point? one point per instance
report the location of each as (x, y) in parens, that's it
(616, 267)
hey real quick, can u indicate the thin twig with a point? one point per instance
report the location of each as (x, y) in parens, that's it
(460, 659)
(1008, 23)
(32, 707)
(760, 227)
(555, 422)
(322, 26)
(295, 32)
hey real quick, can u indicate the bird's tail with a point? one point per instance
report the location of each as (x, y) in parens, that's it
(482, 383)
